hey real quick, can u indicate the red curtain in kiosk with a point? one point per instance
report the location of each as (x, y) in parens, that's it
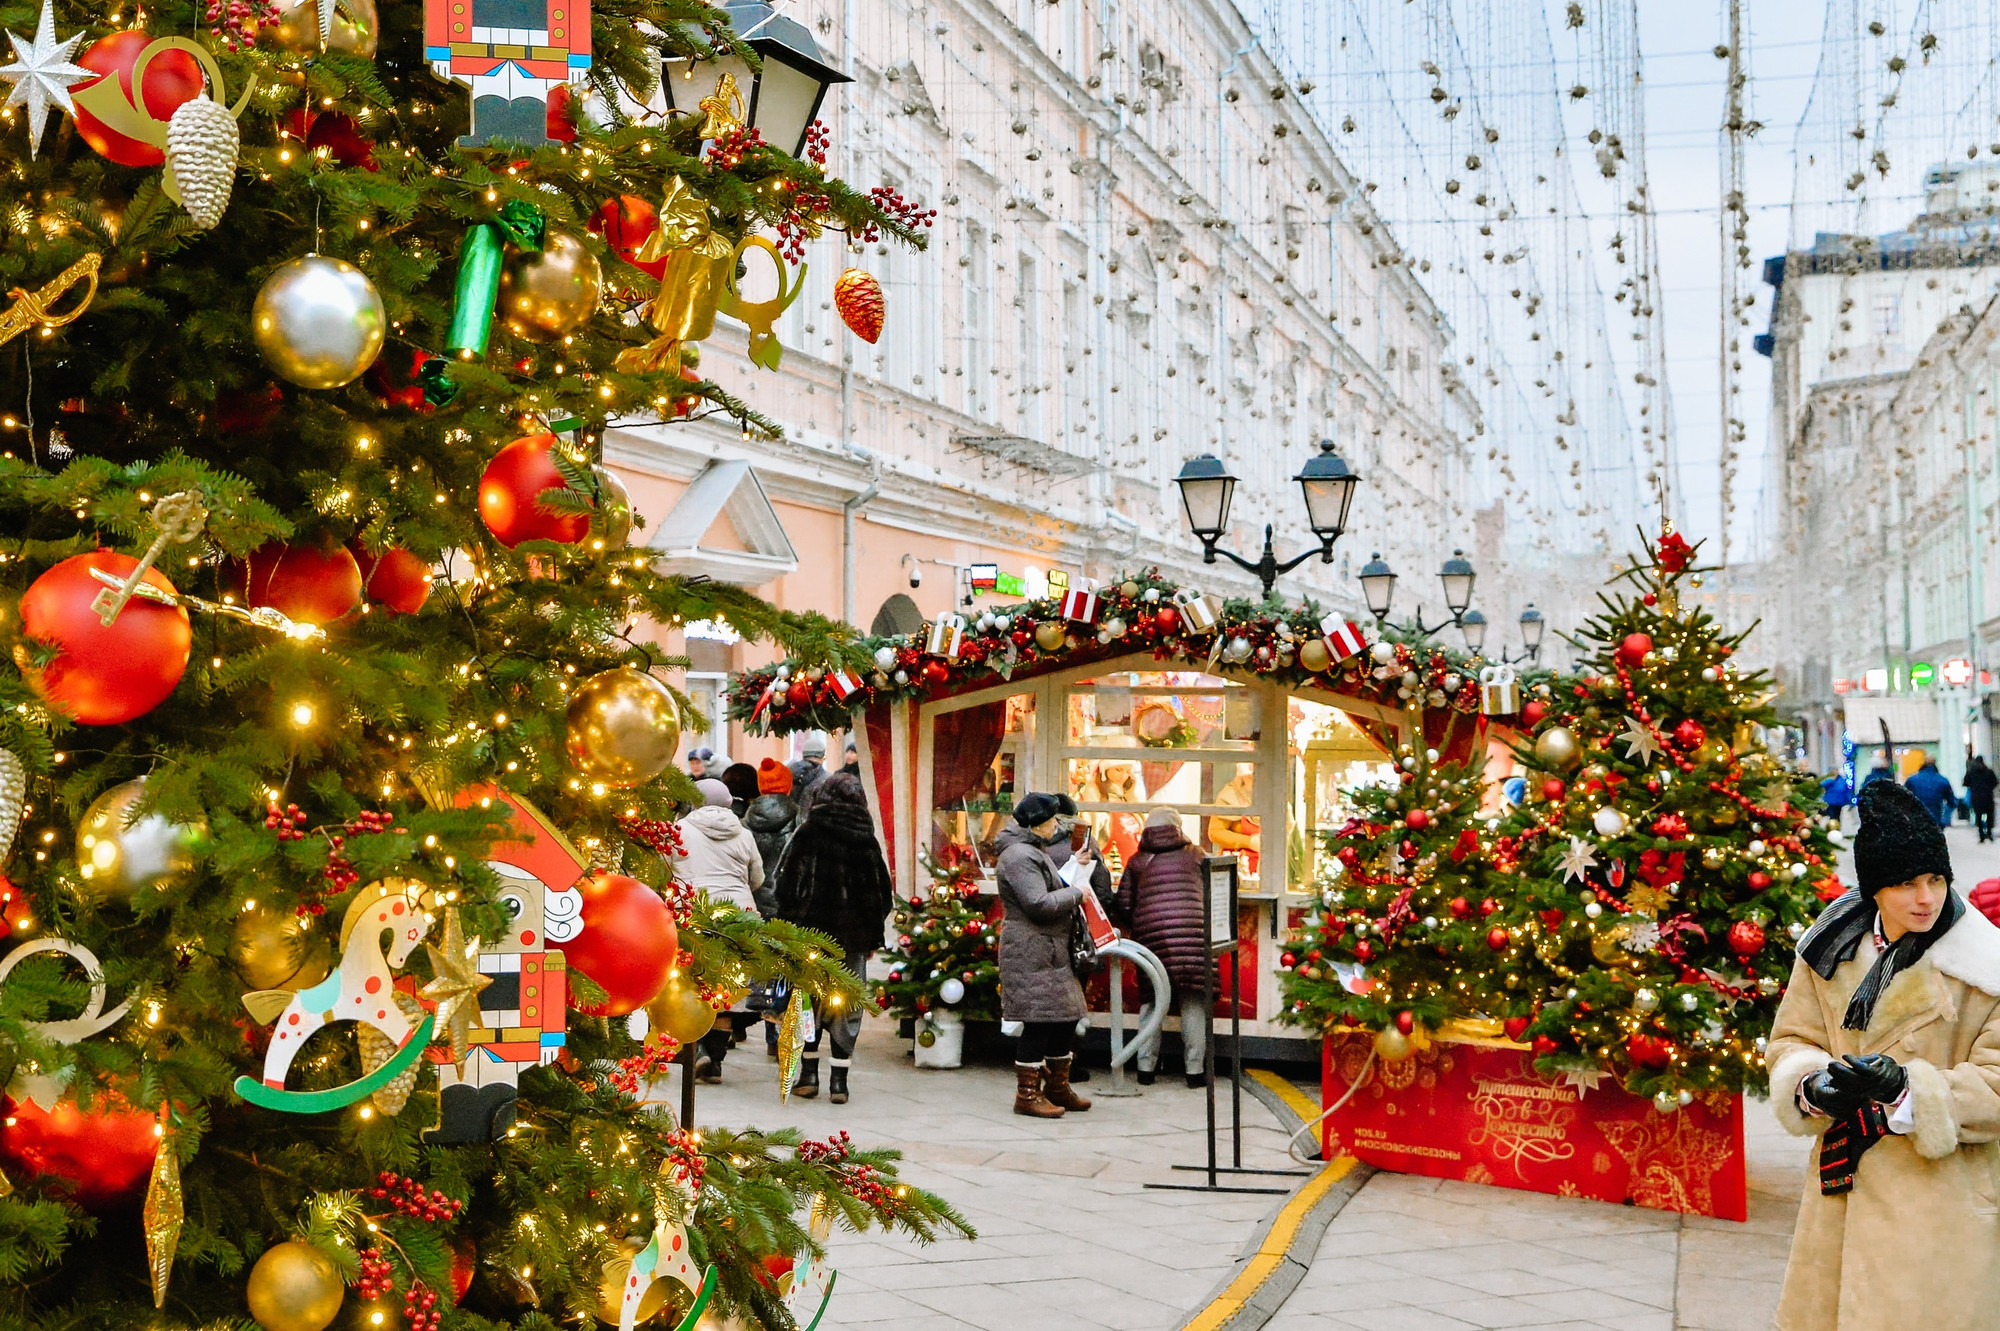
(963, 747)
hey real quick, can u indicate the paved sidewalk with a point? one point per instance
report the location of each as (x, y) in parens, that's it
(1069, 1236)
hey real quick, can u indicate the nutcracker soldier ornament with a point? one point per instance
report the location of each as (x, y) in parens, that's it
(513, 54)
(522, 1020)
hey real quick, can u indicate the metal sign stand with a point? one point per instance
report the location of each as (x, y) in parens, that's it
(1222, 941)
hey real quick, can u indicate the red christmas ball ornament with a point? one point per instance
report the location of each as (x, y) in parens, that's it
(1532, 712)
(1497, 939)
(106, 1153)
(936, 672)
(1553, 917)
(1166, 619)
(244, 410)
(1417, 820)
(102, 676)
(1364, 951)
(1406, 1022)
(1313, 955)
(1408, 850)
(1460, 907)
(627, 946)
(464, 1265)
(1689, 734)
(1544, 1046)
(858, 298)
(1287, 960)
(1648, 1051)
(1635, 647)
(1759, 880)
(510, 495)
(1487, 907)
(1516, 1027)
(395, 578)
(627, 223)
(1746, 938)
(171, 78)
(302, 582)
(799, 694)
(1552, 789)
(1349, 1019)
(1650, 599)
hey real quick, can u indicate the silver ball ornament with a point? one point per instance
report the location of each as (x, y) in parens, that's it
(319, 322)
(885, 658)
(1690, 1001)
(1645, 1000)
(1666, 1103)
(1382, 653)
(1608, 821)
(118, 856)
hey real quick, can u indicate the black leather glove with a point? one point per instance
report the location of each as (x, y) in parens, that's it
(1830, 1097)
(1875, 1077)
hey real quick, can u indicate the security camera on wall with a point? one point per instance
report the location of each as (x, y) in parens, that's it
(916, 570)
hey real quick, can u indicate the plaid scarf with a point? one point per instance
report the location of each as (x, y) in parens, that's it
(1837, 934)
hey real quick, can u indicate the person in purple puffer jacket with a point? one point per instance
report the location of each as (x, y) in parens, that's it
(1159, 897)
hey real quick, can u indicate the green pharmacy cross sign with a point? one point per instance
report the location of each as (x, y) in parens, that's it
(1922, 674)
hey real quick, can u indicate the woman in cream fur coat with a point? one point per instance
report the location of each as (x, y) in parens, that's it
(1887, 1049)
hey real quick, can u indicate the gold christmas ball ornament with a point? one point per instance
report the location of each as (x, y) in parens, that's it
(611, 1286)
(1049, 636)
(623, 728)
(319, 322)
(294, 1287)
(549, 295)
(1314, 656)
(277, 949)
(118, 855)
(1392, 1046)
(355, 28)
(1556, 748)
(679, 1011)
(614, 511)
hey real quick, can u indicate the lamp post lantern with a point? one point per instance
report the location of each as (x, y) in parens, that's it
(782, 99)
(1473, 625)
(1208, 489)
(1378, 588)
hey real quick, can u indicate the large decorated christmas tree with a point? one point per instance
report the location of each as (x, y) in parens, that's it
(339, 766)
(1662, 861)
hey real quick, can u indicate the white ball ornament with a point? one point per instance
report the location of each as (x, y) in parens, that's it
(1115, 627)
(1150, 594)
(1795, 931)
(1409, 764)
(1431, 755)
(952, 991)
(1799, 870)
(1382, 653)
(1430, 921)
(1708, 674)
(1608, 821)
(1755, 848)
(1593, 910)
(902, 676)
(885, 659)
(1666, 1103)
(1238, 650)
(1645, 1000)
(1690, 1001)
(1685, 1097)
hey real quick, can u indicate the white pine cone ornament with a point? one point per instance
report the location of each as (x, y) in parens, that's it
(13, 789)
(202, 147)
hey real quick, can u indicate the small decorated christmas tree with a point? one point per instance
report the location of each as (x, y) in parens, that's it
(1663, 861)
(946, 954)
(1408, 938)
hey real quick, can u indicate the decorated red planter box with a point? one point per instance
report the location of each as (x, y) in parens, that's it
(1478, 1112)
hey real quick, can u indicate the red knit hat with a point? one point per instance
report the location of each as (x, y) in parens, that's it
(773, 778)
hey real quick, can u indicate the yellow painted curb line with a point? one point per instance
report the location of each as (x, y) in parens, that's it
(1270, 1254)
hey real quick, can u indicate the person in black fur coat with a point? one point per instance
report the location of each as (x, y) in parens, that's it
(833, 878)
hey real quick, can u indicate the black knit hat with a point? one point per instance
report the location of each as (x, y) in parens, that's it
(1036, 809)
(1898, 839)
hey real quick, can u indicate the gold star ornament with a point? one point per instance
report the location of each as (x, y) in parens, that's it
(455, 985)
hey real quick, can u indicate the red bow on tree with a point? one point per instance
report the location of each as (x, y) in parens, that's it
(1672, 552)
(1661, 870)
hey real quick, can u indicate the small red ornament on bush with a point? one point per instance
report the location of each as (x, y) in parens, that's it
(936, 672)
(1689, 734)
(1545, 1045)
(1553, 917)
(1417, 820)
(1746, 938)
(1487, 907)
(1552, 789)
(395, 578)
(1759, 880)
(1516, 1027)
(1532, 712)
(510, 495)
(1460, 908)
(1497, 939)
(99, 675)
(1166, 619)
(1364, 951)
(1648, 1051)
(858, 297)
(1406, 1022)
(1634, 648)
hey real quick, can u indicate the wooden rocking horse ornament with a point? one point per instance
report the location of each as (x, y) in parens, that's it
(362, 989)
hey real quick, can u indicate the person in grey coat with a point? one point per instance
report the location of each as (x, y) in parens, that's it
(1037, 986)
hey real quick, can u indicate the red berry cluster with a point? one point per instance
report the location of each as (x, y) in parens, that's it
(818, 139)
(684, 1155)
(892, 202)
(340, 873)
(863, 1182)
(412, 1199)
(727, 151)
(226, 21)
(378, 1276)
(420, 1310)
(801, 224)
(657, 835)
(655, 1058)
(289, 823)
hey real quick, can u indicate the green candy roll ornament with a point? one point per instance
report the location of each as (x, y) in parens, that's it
(481, 256)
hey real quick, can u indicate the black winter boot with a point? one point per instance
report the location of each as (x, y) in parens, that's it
(807, 1086)
(836, 1083)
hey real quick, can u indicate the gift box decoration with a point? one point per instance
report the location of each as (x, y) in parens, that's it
(1499, 695)
(1199, 610)
(947, 636)
(844, 684)
(1344, 637)
(1079, 602)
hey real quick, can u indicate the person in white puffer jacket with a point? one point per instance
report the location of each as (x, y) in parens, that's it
(719, 856)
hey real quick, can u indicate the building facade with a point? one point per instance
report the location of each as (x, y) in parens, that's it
(1145, 249)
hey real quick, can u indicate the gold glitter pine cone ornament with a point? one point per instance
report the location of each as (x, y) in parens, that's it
(202, 148)
(858, 297)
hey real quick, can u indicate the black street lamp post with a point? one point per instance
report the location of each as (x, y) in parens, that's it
(1378, 588)
(1207, 490)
